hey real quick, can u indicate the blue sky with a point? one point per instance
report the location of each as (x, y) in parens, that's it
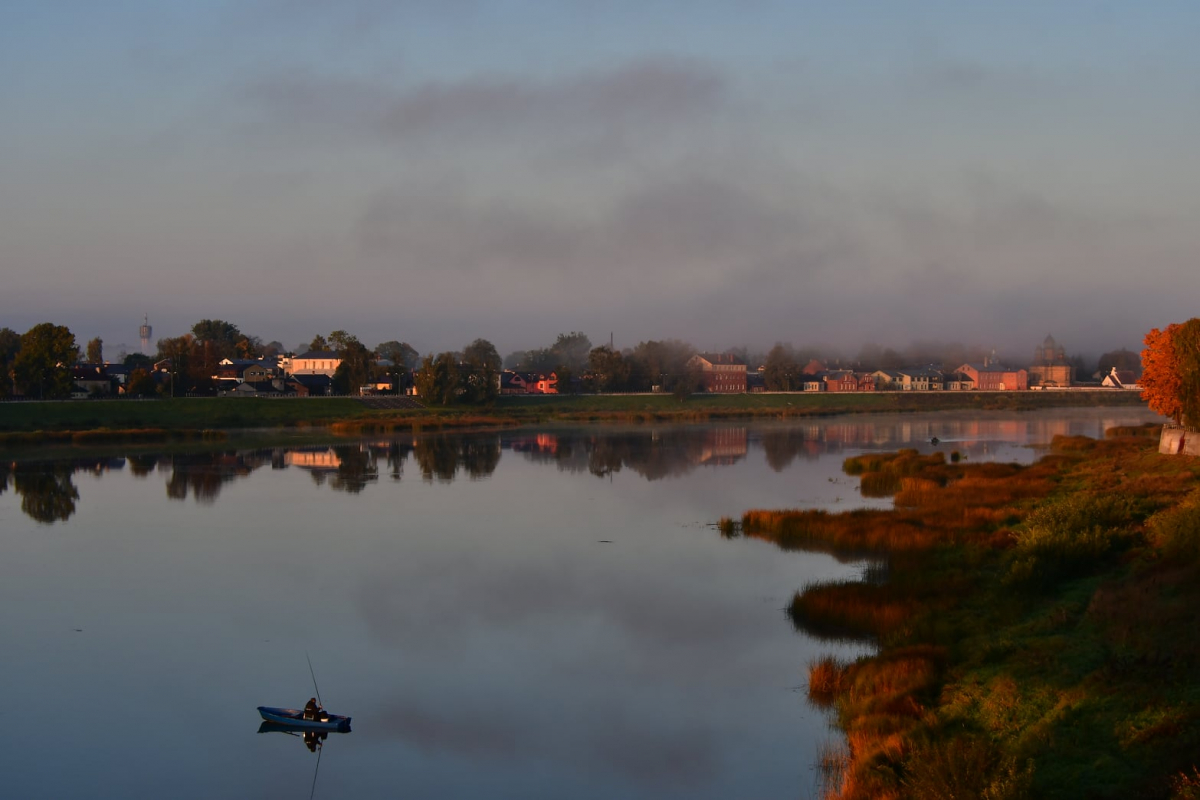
(731, 173)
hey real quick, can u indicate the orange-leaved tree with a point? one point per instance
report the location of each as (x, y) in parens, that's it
(1187, 355)
(1160, 372)
(1171, 371)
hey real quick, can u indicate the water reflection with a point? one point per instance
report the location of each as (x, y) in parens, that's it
(48, 493)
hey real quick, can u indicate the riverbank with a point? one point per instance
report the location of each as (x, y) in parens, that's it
(1035, 625)
(352, 415)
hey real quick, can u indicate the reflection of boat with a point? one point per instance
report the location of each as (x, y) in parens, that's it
(293, 718)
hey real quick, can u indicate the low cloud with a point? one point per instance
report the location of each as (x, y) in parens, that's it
(637, 95)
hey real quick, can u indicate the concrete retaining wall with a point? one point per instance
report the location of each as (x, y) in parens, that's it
(1176, 441)
(1170, 443)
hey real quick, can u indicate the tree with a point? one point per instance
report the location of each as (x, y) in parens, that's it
(41, 368)
(223, 337)
(140, 384)
(437, 380)
(781, 373)
(571, 350)
(1187, 354)
(607, 371)
(248, 347)
(95, 351)
(192, 365)
(403, 358)
(138, 361)
(686, 382)
(480, 372)
(318, 343)
(662, 364)
(10, 345)
(1161, 381)
(356, 361)
(402, 354)
(1123, 360)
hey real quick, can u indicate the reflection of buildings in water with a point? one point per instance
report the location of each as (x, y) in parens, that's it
(723, 446)
(535, 444)
(314, 458)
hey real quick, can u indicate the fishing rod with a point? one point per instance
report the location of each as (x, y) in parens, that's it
(317, 770)
(314, 677)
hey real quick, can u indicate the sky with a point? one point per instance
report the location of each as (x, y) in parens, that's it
(728, 173)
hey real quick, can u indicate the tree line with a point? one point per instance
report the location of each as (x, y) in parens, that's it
(36, 364)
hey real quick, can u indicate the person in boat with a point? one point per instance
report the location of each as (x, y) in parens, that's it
(313, 710)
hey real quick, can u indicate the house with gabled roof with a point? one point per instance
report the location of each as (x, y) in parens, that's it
(1121, 379)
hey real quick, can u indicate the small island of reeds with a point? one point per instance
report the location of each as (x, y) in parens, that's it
(1035, 626)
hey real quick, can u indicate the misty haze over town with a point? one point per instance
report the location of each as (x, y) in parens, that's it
(732, 175)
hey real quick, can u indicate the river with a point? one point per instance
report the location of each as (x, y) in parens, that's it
(532, 613)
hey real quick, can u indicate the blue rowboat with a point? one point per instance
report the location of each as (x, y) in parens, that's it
(294, 718)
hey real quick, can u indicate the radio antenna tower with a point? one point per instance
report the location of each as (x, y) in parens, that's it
(144, 331)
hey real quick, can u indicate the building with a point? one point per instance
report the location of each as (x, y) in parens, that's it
(1121, 379)
(722, 373)
(1050, 367)
(316, 362)
(921, 379)
(844, 380)
(992, 377)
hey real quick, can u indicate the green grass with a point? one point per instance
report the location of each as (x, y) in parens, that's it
(798, 404)
(229, 413)
(179, 413)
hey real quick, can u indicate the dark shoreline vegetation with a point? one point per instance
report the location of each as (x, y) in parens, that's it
(1035, 625)
(169, 419)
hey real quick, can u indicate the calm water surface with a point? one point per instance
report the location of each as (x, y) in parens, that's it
(529, 614)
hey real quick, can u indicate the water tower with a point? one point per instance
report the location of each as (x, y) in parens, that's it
(144, 331)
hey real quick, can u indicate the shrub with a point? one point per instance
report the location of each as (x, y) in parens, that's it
(965, 766)
(1070, 538)
(1177, 530)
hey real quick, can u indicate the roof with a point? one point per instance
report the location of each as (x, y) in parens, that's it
(321, 355)
(989, 368)
(312, 381)
(922, 372)
(722, 358)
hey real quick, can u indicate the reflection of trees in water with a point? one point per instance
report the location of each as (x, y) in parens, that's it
(356, 468)
(203, 474)
(142, 464)
(47, 492)
(395, 455)
(480, 456)
(652, 454)
(47, 488)
(782, 446)
(439, 457)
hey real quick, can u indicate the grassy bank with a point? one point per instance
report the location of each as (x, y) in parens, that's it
(200, 414)
(1036, 629)
(782, 406)
(351, 415)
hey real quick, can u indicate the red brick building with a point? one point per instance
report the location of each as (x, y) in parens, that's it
(723, 373)
(989, 377)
